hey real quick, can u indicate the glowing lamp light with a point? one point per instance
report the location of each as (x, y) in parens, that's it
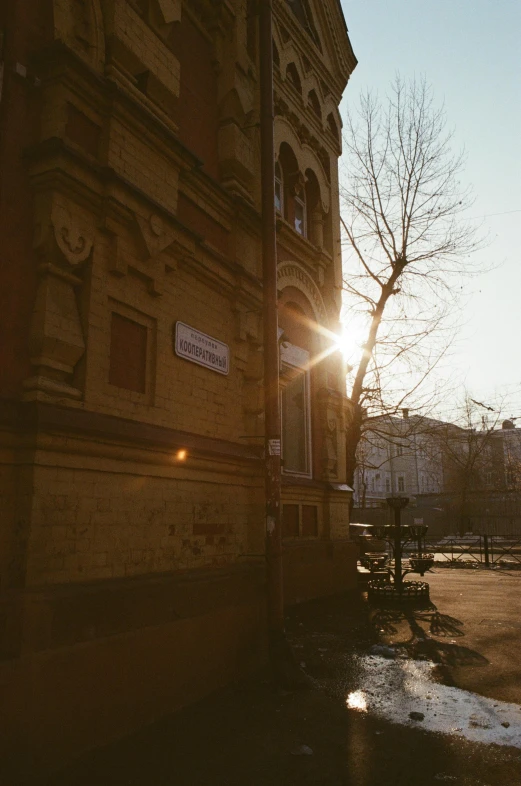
(181, 455)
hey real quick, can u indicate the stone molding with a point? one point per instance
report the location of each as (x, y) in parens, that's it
(291, 274)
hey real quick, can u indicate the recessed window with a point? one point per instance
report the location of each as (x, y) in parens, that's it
(332, 126)
(276, 56)
(128, 354)
(279, 190)
(299, 521)
(290, 521)
(295, 411)
(314, 103)
(401, 483)
(300, 216)
(292, 75)
(309, 521)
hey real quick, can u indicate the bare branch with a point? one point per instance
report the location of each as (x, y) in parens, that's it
(407, 246)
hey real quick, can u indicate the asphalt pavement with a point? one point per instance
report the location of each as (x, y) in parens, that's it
(396, 697)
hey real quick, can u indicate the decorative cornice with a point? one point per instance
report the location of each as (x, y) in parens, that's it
(37, 417)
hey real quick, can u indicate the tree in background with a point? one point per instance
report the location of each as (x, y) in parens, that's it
(468, 453)
(408, 246)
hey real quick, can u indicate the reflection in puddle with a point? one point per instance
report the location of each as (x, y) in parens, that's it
(357, 701)
(395, 688)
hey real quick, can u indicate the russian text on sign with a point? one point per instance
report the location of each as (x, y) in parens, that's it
(200, 348)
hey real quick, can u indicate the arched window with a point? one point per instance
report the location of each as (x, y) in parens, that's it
(293, 77)
(279, 189)
(295, 394)
(276, 56)
(292, 189)
(314, 217)
(314, 103)
(332, 126)
(300, 221)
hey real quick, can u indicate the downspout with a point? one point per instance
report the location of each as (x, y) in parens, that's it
(272, 427)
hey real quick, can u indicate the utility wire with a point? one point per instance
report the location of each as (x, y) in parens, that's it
(490, 215)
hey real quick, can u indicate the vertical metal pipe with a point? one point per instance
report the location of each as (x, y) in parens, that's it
(275, 596)
(487, 555)
(397, 551)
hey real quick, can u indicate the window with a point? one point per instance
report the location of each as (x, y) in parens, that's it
(299, 521)
(401, 483)
(300, 215)
(332, 126)
(128, 354)
(314, 104)
(303, 13)
(279, 190)
(295, 411)
(399, 450)
(388, 485)
(292, 75)
(309, 521)
(290, 521)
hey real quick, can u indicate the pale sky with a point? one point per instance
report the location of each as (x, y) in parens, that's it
(470, 52)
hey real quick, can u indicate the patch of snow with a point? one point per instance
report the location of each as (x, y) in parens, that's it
(392, 689)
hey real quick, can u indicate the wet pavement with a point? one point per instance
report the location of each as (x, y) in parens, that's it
(427, 696)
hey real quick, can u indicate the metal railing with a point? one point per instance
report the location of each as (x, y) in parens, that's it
(487, 550)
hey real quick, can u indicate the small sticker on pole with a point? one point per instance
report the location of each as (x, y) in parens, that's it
(274, 447)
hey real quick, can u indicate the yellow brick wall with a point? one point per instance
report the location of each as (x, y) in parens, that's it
(133, 35)
(180, 394)
(95, 517)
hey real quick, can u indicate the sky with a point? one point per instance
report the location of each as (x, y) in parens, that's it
(470, 52)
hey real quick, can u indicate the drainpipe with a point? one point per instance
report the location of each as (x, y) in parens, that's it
(272, 467)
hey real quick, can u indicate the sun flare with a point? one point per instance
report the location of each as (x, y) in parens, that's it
(352, 338)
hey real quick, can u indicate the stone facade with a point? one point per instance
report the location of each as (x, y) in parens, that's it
(132, 477)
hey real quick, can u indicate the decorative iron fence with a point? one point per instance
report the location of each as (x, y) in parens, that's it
(487, 550)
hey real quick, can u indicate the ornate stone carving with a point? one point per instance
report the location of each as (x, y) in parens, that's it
(79, 25)
(56, 340)
(332, 427)
(155, 236)
(330, 457)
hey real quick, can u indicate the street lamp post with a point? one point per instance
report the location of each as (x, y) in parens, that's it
(394, 588)
(397, 504)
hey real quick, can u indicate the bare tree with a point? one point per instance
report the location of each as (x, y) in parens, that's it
(407, 247)
(468, 453)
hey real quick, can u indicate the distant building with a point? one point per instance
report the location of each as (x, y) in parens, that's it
(457, 479)
(398, 456)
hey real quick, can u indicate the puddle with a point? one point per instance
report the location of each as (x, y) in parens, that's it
(392, 689)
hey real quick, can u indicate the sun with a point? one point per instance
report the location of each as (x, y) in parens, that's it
(352, 338)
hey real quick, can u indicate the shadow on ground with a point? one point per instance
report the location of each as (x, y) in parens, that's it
(252, 734)
(418, 631)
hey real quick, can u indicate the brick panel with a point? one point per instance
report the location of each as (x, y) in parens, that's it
(196, 219)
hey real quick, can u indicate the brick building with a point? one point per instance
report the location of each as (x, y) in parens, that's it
(131, 414)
